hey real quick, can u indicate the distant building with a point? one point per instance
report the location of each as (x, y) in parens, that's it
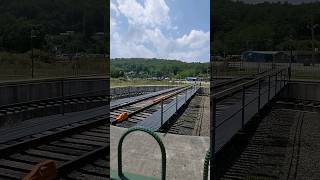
(234, 58)
(192, 79)
(265, 56)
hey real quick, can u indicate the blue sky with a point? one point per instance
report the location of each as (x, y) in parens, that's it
(289, 1)
(170, 29)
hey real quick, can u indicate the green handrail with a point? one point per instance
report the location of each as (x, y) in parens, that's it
(206, 165)
(155, 136)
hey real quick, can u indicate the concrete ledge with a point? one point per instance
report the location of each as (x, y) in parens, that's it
(305, 90)
(141, 154)
(26, 91)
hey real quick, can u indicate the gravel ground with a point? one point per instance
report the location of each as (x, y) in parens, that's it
(283, 145)
(304, 152)
(195, 118)
(204, 119)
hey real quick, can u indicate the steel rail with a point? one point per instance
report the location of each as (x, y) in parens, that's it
(152, 104)
(49, 80)
(78, 95)
(140, 100)
(83, 159)
(21, 146)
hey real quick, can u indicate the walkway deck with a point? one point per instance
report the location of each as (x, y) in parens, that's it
(141, 154)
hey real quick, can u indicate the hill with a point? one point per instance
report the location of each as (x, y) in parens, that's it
(147, 68)
(49, 18)
(238, 26)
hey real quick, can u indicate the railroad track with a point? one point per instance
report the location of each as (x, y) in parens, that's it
(295, 152)
(185, 123)
(299, 104)
(140, 110)
(32, 109)
(69, 147)
(258, 151)
(198, 129)
(94, 169)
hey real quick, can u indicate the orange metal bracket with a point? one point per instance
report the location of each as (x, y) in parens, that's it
(121, 117)
(46, 170)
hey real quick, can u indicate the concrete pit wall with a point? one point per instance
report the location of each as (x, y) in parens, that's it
(304, 90)
(25, 91)
(120, 92)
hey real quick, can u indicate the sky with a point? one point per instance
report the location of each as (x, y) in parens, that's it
(289, 1)
(167, 29)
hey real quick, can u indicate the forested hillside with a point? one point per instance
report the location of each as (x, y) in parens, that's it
(266, 26)
(48, 19)
(147, 68)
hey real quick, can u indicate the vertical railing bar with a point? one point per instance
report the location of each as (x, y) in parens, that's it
(186, 95)
(243, 106)
(269, 88)
(259, 95)
(63, 98)
(161, 112)
(176, 102)
(275, 87)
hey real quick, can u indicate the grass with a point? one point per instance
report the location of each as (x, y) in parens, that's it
(19, 66)
(115, 82)
(306, 75)
(235, 72)
(296, 74)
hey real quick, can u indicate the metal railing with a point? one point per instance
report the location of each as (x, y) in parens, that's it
(300, 70)
(244, 101)
(163, 116)
(170, 109)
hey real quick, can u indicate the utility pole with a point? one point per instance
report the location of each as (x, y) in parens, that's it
(312, 27)
(247, 45)
(32, 59)
(291, 56)
(312, 41)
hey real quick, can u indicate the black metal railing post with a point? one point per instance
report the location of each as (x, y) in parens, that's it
(281, 79)
(161, 112)
(269, 87)
(62, 94)
(259, 95)
(177, 102)
(276, 84)
(243, 105)
(129, 91)
(288, 75)
(289, 72)
(186, 95)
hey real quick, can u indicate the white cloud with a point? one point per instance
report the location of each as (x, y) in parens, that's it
(191, 55)
(146, 33)
(151, 13)
(114, 8)
(130, 50)
(195, 39)
(113, 24)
